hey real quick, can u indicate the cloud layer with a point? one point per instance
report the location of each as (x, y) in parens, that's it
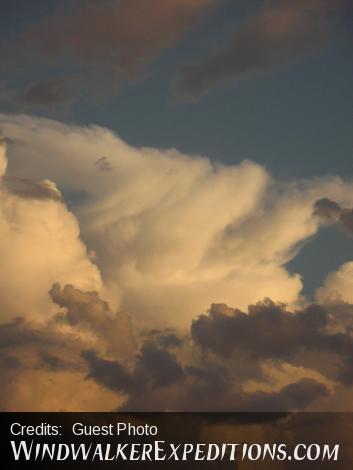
(90, 49)
(109, 42)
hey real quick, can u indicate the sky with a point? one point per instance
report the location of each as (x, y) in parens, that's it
(176, 203)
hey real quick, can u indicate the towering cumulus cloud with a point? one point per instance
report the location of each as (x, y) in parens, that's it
(171, 233)
(111, 253)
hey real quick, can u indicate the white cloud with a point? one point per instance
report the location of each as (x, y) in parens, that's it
(172, 233)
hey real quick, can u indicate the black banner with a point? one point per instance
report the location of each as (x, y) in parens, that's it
(177, 440)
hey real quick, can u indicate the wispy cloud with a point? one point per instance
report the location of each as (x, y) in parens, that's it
(281, 33)
(105, 43)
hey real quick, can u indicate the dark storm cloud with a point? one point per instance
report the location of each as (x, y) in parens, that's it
(330, 211)
(269, 331)
(159, 380)
(87, 309)
(159, 383)
(281, 33)
(154, 368)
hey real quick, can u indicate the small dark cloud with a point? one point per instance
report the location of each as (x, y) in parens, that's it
(327, 209)
(331, 211)
(103, 164)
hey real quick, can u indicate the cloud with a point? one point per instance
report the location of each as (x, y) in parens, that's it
(293, 396)
(125, 32)
(160, 383)
(157, 379)
(153, 242)
(300, 362)
(40, 363)
(155, 368)
(28, 189)
(41, 369)
(338, 285)
(269, 331)
(281, 33)
(171, 233)
(331, 211)
(103, 164)
(40, 245)
(88, 310)
(106, 43)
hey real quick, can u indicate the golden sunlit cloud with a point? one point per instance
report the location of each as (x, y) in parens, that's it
(108, 247)
(171, 233)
